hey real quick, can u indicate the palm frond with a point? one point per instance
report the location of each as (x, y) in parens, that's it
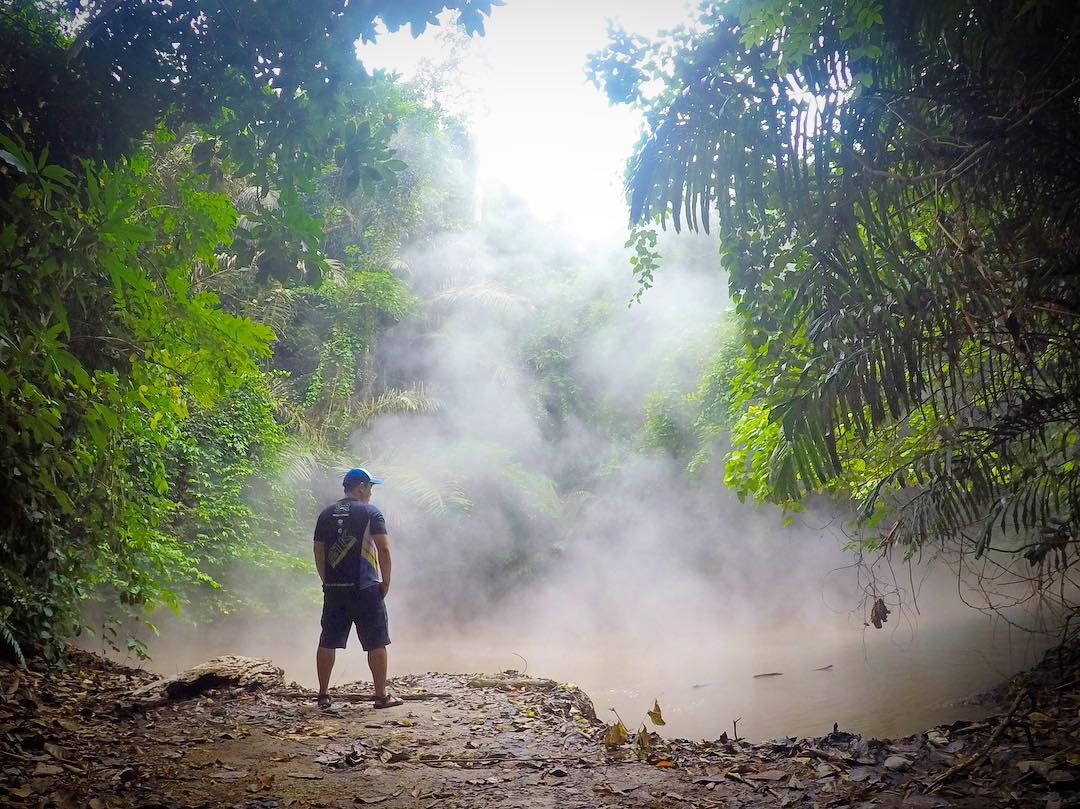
(899, 221)
(482, 293)
(414, 400)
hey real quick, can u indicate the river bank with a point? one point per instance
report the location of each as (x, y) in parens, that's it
(101, 735)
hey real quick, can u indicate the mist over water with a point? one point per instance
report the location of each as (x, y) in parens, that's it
(528, 520)
(900, 680)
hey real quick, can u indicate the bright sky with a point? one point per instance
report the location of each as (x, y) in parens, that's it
(542, 129)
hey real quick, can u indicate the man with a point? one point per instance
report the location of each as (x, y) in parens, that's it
(352, 555)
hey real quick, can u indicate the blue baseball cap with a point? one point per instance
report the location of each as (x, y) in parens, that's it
(354, 477)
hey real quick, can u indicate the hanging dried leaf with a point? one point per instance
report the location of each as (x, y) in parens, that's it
(616, 735)
(655, 716)
(643, 743)
(879, 614)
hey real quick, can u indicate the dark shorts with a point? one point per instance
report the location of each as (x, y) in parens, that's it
(345, 606)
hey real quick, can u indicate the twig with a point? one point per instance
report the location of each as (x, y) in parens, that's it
(90, 30)
(356, 697)
(523, 660)
(967, 764)
(735, 728)
(498, 759)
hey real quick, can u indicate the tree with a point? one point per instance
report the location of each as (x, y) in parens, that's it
(895, 187)
(266, 81)
(105, 345)
(112, 232)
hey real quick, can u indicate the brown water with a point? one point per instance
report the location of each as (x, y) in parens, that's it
(882, 683)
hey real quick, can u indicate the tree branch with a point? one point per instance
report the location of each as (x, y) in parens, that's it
(90, 30)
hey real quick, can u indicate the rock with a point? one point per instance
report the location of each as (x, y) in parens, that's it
(897, 763)
(249, 673)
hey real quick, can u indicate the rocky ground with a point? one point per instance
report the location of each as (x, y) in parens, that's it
(99, 735)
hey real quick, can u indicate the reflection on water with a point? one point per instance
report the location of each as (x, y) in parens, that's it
(881, 683)
(878, 685)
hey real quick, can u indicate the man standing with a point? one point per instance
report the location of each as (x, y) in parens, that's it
(352, 555)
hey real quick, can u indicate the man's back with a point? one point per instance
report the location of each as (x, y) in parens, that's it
(347, 527)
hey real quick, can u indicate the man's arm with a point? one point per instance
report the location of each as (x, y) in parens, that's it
(320, 559)
(382, 544)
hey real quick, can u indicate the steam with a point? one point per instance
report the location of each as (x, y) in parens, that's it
(517, 531)
(527, 518)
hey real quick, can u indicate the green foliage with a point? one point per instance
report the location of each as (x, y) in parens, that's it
(177, 176)
(105, 346)
(646, 259)
(717, 403)
(895, 189)
(231, 510)
(266, 81)
(667, 424)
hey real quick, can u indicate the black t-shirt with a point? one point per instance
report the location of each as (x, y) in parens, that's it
(347, 528)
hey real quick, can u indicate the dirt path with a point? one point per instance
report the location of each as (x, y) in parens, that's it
(76, 738)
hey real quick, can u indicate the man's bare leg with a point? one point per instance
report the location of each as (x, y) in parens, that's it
(324, 664)
(376, 660)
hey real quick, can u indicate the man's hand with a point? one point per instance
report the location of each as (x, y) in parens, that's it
(382, 545)
(320, 560)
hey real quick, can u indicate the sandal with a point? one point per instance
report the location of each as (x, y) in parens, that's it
(324, 702)
(389, 701)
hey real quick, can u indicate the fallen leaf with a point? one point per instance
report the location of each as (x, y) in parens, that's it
(609, 789)
(376, 798)
(55, 750)
(21, 792)
(47, 769)
(767, 775)
(306, 776)
(859, 774)
(665, 763)
(1042, 719)
(897, 763)
(924, 802)
(825, 770)
(263, 780)
(1040, 767)
(937, 737)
